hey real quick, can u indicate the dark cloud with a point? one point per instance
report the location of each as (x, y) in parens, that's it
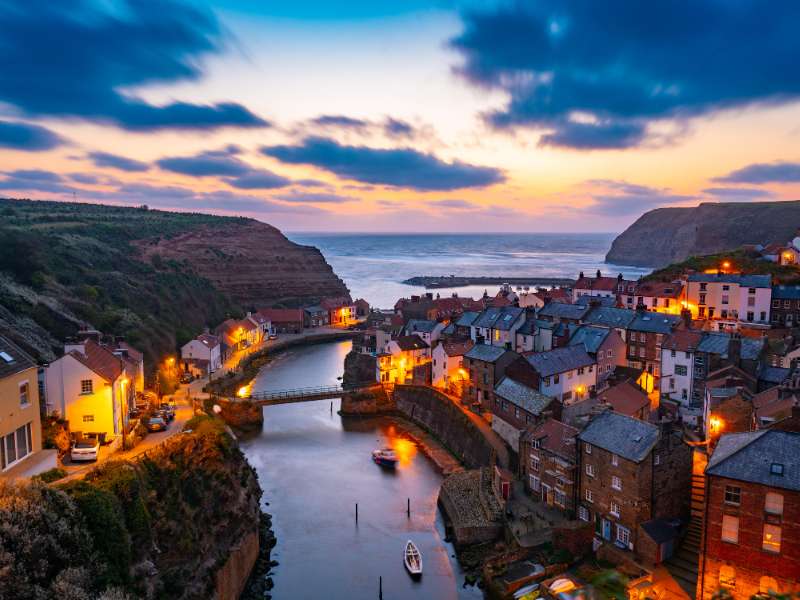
(395, 128)
(72, 58)
(24, 136)
(456, 204)
(84, 178)
(259, 179)
(210, 163)
(627, 63)
(777, 172)
(35, 180)
(340, 121)
(309, 197)
(403, 167)
(620, 198)
(738, 194)
(115, 161)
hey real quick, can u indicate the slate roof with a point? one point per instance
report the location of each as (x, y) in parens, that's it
(545, 324)
(754, 281)
(457, 348)
(420, 325)
(776, 375)
(315, 309)
(628, 437)
(411, 342)
(653, 322)
(485, 353)
(607, 301)
(786, 292)
(467, 319)
(521, 395)
(625, 398)
(684, 340)
(749, 457)
(717, 343)
(12, 359)
(529, 326)
(502, 318)
(554, 436)
(208, 340)
(619, 318)
(561, 310)
(559, 360)
(591, 337)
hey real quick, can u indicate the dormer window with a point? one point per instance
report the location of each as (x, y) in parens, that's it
(776, 469)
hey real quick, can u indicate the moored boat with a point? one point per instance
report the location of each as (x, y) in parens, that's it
(385, 457)
(412, 559)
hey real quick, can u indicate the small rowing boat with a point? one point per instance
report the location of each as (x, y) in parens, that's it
(412, 559)
(385, 457)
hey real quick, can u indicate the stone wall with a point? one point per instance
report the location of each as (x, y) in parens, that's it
(370, 401)
(439, 415)
(231, 578)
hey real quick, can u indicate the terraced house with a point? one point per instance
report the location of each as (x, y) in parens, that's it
(547, 460)
(518, 406)
(498, 326)
(566, 373)
(729, 300)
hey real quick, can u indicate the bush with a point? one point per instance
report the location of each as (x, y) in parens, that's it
(51, 475)
(55, 434)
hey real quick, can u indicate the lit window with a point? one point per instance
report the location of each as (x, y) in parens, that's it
(88, 418)
(86, 386)
(776, 469)
(623, 536)
(588, 448)
(768, 586)
(730, 529)
(772, 538)
(589, 496)
(727, 576)
(733, 495)
(614, 509)
(614, 460)
(774, 503)
(616, 483)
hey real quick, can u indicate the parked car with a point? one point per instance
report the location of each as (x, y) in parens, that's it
(85, 448)
(156, 424)
(186, 378)
(168, 410)
(135, 413)
(272, 336)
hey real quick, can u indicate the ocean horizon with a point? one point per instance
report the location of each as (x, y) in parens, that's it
(374, 265)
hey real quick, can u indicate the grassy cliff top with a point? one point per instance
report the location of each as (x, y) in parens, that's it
(741, 261)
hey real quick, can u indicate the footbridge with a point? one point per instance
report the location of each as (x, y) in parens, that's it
(308, 394)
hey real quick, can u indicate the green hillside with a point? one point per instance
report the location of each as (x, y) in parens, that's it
(741, 261)
(66, 264)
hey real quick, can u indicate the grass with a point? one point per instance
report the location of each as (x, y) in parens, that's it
(742, 261)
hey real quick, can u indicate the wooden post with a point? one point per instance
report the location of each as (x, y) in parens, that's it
(356, 512)
(408, 507)
(380, 588)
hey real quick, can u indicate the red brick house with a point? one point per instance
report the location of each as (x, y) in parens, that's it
(751, 539)
(518, 406)
(285, 320)
(547, 464)
(341, 310)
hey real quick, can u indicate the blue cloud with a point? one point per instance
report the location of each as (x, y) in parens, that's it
(402, 167)
(259, 179)
(738, 194)
(397, 129)
(320, 198)
(106, 159)
(627, 63)
(72, 58)
(777, 172)
(24, 136)
(339, 121)
(211, 163)
(35, 180)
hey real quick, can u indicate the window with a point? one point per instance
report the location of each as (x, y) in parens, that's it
(642, 352)
(24, 394)
(560, 498)
(88, 418)
(516, 412)
(599, 355)
(763, 315)
(623, 536)
(751, 301)
(672, 354)
(583, 513)
(566, 396)
(681, 370)
(614, 460)
(15, 446)
(774, 503)
(590, 470)
(733, 495)
(610, 353)
(588, 448)
(730, 529)
(656, 459)
(616, 483)
(703, 287)
(589, 496)
(727, 576)
(772, 538)
(556, 379)
(537, 444)
(702, 298)
(750, 316)
(535, 463)
(86, 386)
(776, 469)
(726, 288)
(776, 304)
(614, 510)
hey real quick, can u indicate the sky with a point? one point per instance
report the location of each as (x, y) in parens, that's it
(412, 115)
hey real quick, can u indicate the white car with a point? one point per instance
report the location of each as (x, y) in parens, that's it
(86, 448)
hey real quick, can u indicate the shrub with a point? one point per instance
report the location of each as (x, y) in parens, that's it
(51, 475)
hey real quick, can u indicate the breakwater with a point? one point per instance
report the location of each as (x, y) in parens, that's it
(451, 281)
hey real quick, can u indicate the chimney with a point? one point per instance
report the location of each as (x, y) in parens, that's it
(580, 275)
(735, 349)
(686, 316)
(598, 274)
(619, 277)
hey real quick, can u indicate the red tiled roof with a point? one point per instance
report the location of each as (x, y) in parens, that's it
(283, 315)
(659, 289)
(770, 403)
(683, 340)
(625, 398)
(556, 437)
(457, 348)
(607, 284)
(411, 342)
(100, 360)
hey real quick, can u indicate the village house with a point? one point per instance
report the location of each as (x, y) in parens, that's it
(627, 398)
(728, 406)
(263, 326)
(775, 405)
(486, 366)
(341, 311)
(548, 465)
(567, 373)
(717, 350)
(646, 335)
(202, 355)
(677, 370)
(498, 326)
(609, 287)
(751, 538)
(782, 352)
(133, 360)
(464, 324)
(604, 345)
(284, 320)
(730, 300)
(618, 319)
(535, 335)
(448, 370)
(785, 311)
(634, 478)
(237, 334)
(560, 312)
(656, 296)
(21, 453)
(373, 341)
(90, 387)
(315, 316)
(518, 406)
(430, 331)
(362, 308)
(402, 361)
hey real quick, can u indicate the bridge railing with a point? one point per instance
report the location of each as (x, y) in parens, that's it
(298, 392)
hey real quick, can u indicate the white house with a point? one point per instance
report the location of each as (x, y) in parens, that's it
(602, 287)
(677, 370)
(202, 355)
(429, 331)
(448, 361)
(730, 299)
(567, 373)
(90, 387)
(498, 326)
(534, 336)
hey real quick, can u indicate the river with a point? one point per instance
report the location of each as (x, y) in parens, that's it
(314, 466)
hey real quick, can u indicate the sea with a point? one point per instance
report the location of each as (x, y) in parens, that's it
(373, 266)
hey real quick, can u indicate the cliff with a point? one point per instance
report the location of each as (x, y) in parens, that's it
(155, 278)
(180, 522)
(667, 235)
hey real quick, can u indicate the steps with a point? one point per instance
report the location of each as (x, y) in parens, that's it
(684, 563)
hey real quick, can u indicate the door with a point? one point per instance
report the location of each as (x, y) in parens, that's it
(606, 529)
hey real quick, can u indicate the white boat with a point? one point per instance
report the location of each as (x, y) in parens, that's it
(385, 457)
(412, 559)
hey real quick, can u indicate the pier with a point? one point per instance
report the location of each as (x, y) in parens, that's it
(451, 281)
